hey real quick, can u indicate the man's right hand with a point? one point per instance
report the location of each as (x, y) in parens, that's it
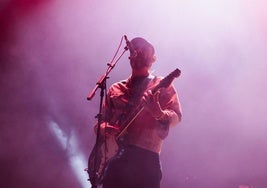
(107, 129)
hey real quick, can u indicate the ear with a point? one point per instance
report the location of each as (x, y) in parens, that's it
(153, 58)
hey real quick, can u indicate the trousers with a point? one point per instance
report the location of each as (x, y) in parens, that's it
(133, 167)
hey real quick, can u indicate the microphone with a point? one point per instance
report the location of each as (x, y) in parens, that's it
(129, 46)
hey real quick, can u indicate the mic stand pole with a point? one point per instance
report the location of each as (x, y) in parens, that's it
(94, 154)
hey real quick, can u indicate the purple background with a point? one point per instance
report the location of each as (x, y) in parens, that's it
(53, 52)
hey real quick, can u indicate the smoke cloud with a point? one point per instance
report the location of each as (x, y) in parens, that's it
(53, 52)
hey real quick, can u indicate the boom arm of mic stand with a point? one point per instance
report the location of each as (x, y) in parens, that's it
(105, 76)
(98, 84)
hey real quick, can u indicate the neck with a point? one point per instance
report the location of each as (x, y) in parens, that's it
(140, 73)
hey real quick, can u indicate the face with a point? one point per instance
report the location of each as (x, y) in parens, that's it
(143, 56)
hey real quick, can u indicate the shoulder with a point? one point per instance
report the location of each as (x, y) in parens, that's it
(119, 84)
(118, 88)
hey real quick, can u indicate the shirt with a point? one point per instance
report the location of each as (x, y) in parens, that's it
(144, 131)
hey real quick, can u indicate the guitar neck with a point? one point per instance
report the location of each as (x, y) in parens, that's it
(130, 119)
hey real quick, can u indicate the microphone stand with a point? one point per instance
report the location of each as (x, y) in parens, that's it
(101, 83)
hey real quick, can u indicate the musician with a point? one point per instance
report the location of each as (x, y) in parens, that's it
(137, 163)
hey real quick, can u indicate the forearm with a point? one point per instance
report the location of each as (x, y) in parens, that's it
(169, 117)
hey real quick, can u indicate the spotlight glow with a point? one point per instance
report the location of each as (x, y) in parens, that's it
(76, 158)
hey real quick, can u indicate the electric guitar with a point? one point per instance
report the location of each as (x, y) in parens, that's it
(108, 146)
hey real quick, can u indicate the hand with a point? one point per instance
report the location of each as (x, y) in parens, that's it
(107, 129)
(152, 103)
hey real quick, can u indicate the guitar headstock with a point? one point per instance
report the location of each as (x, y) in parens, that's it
(175, 74)
(165, 82)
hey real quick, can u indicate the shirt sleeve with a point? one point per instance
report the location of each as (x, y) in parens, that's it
(171, 106)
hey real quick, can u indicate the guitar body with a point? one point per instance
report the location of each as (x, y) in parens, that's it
(101, 153)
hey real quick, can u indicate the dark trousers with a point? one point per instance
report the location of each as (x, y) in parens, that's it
(133, 167)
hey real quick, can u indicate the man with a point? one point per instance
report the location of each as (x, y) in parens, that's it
(137, 164)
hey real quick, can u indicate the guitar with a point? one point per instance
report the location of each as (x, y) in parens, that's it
(109, 145)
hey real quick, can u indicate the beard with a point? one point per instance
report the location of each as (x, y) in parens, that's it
(140, 63)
